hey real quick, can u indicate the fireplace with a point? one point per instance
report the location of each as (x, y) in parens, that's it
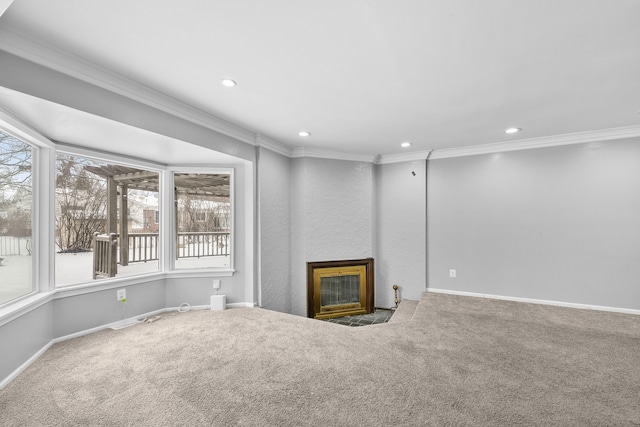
(339, 288)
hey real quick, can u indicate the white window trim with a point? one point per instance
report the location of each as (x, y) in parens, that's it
(41, 205)
(71, 150)
(171, 261)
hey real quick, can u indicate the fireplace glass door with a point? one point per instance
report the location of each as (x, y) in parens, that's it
(342, 291)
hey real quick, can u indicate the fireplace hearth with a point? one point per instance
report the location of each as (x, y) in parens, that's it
(340, 288)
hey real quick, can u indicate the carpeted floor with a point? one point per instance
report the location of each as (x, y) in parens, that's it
(456, 361)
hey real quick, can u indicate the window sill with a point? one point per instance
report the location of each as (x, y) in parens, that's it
(20, 307)
(180, 274)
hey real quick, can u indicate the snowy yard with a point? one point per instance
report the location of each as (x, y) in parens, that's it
(15, 277)
(72, 269)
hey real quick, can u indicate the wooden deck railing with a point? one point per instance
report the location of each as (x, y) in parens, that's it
(143, 247)
(202, 244)
(104, 255)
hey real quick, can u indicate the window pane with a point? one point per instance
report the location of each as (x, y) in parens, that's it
(106, 220)
(203, 220)
(16, 201)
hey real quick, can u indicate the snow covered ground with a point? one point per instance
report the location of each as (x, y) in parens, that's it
(15, 277)
(73, 269)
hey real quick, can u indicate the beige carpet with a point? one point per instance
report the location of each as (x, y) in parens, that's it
(458, 361)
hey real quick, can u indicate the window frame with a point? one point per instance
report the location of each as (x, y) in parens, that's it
(205, 170)
(42, 155)
(104, 157)
(33, 270)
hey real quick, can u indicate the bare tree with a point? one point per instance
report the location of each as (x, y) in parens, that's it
(15, 186)
(81, 204)
(203, 213)
(15, 164)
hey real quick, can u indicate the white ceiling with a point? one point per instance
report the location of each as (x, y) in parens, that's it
(365, 75)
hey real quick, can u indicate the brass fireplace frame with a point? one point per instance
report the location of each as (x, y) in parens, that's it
(362, 267)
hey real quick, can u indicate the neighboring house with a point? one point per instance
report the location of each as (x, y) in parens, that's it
(151, 220)
(15, 216)
(143, 214)
(212, 216)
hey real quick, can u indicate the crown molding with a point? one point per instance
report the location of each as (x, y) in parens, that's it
(542, 142)
(4, 5)
(12, 124)
(58, 60)
(404, 157)
(522, 144)
(303, 152)
(299, 152)
(273, 145)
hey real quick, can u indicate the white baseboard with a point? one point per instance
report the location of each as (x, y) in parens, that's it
(24, 366)
(536, 301)
(113, 325)
(242, 304)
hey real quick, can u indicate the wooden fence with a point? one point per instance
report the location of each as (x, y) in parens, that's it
(10, 245)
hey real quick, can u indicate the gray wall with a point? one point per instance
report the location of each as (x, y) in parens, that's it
(198, 290)
(274, 188)
(23, 337)
(332, 217)
(77, 313)
(401, 239)
(558, 224)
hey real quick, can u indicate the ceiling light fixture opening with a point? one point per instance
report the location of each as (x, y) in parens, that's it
(228, 82)
(512, 130)
(406, 144)
(304, 133)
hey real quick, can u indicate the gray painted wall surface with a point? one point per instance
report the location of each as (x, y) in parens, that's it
(79, 313)
(23, 337)
(243, 238)
(400, 231)
(274, 180)
(559, 224)
(198, 290)
(332, 217)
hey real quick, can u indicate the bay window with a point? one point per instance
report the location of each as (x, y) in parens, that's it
(16, 218)
(78, 217)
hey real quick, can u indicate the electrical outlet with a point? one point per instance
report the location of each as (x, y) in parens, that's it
(216, 283)
(121, 295)
(452, 273)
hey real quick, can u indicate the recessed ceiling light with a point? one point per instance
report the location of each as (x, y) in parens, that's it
(406, 144)
(304, 133)
(512, 130)
(228, 82)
